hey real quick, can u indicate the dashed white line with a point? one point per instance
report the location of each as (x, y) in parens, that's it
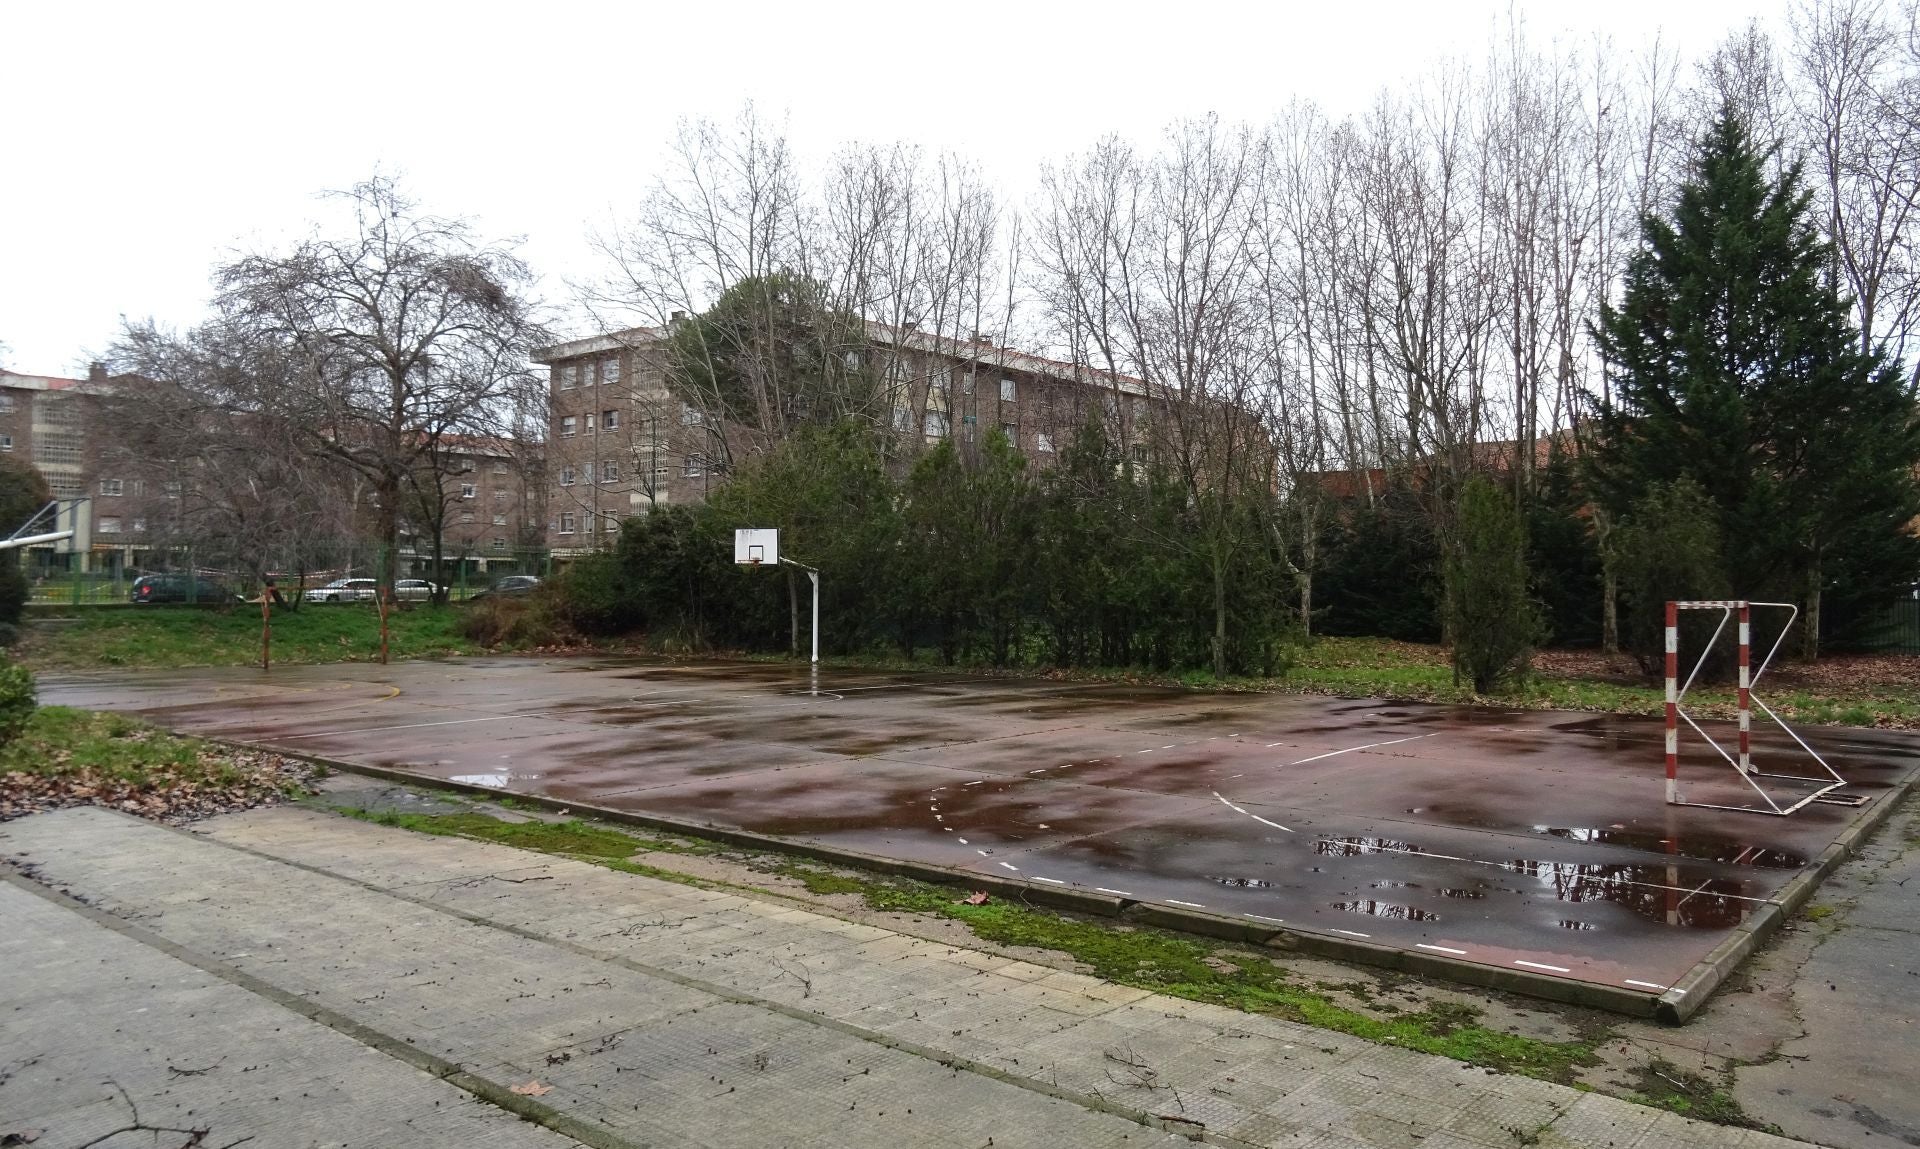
(963, 841)
(983, 853)
(1011, 866)
(1262, 918)
(1441, 949)
(1049, 881)
(1647, 984)
(976, 782)
(1178, 902)
(1541, 965)
(1368, 746)
(1353, 933)
(1115, 893)
(1168, 746)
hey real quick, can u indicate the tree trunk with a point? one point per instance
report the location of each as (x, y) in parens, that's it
(1810, 634)
(793, 614)
(1219, 615)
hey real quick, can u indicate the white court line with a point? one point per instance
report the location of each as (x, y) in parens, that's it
(1368, 746)
(1169, 746)
(1049, 881)
(975, 782)
(1275, 825)
(1011, 866)
(1262, 918)
(1115, 893)
(948, 829)
(983, 853)
(1509, 868)
(1178, 902)
(1541, 965)
(962, 841)
(1352, 933)
(414, 726)
(1271, 745)
(1230, 805)
(1442, 949)
(1646, 984)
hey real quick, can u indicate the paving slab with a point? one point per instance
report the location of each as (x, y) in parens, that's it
(98, 1027)
(718, 1001)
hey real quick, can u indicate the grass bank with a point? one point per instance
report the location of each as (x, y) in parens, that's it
(159, 637)
(68, 757)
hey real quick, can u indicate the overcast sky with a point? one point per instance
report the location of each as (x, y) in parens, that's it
(142, 143)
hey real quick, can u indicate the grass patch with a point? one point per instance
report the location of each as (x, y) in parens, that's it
(61, 742)
(1151, 959)
(1666, 1086)
(158, 637)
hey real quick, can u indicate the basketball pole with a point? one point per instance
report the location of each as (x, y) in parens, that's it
(813, 576)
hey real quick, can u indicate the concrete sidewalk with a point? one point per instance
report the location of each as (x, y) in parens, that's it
(659, 1013)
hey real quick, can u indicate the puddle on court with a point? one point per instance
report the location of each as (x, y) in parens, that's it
(1392, 910)
(1242, 883)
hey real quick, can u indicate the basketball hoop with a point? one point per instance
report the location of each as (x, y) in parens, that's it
(1743, 765)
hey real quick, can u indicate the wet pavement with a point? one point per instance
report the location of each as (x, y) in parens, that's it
(1523, 839)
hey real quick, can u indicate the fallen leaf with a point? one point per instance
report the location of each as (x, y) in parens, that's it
(976, 898)
(532, 1089)
(23, 1137)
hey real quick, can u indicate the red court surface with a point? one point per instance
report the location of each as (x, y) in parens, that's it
(1531, 840)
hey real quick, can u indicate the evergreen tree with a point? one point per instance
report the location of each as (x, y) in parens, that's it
(1493, 622)
(1734, 363)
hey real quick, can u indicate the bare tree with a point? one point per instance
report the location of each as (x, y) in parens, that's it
(398, 333)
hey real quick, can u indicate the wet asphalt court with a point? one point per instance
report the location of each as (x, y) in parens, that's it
(1525, 839)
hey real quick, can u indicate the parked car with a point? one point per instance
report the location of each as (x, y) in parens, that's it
(180, 587)
(413, 589)
(511, 586)
(344, 590)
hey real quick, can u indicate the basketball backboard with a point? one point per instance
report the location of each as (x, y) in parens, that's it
(756, 546)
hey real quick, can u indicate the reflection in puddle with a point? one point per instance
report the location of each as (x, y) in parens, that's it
(1570, 924)
(1653, 892)
(1457, 893)
(494, 780)
(1705, 849)
(1355, 847)
(1243, 883)
(1387, 910)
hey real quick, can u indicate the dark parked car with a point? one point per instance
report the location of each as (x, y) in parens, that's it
(181, 588)
(512, 586)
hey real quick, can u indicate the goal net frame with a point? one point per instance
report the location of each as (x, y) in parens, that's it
(1743, 763)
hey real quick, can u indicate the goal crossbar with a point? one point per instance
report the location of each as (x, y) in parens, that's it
(1743, 763)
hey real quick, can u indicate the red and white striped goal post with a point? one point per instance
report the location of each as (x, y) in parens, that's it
(1747, 698)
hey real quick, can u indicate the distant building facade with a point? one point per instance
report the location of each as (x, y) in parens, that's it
(622, 441)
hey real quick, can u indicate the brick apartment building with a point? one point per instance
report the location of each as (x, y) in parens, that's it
(45, 420)
(623, 442)
(495, 496)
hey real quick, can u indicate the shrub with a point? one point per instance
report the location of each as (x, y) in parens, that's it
(1669, 548)
(14, 592)
(1494, 623)
(501, 621)
(17, 701)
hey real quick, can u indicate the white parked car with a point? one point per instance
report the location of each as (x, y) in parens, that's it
(413, 589)
(344, 590)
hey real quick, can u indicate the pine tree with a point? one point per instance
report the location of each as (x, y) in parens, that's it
(1734, 363)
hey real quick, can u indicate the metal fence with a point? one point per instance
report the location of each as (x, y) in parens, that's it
(194, 582)
(1896, 629)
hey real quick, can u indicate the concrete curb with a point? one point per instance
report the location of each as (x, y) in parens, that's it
(1685, 997)
(1633, 1003)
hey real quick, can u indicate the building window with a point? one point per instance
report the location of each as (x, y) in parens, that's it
(566, 522)
(139, 487)
(499, 544)
(499, 520)
(609, 420)
(589, 420)
(966, 384)
(902, 419)
(1006, 390)
(936, 425)
(112, 487)
(609, 472)
(172, 490)
(109, 525)
(567, 425)
(694, 467)
(970, 427)
(576, 373)
(691, 416)
(1139, 452)
(499, 466)
(610, 370)
(466, 463)
(566, 476)
(500, 496)
(1043, 443)
(139, 526)
(1011, 431)
(466, 516)
(6, 402)
(6, 442)
(467, 491)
